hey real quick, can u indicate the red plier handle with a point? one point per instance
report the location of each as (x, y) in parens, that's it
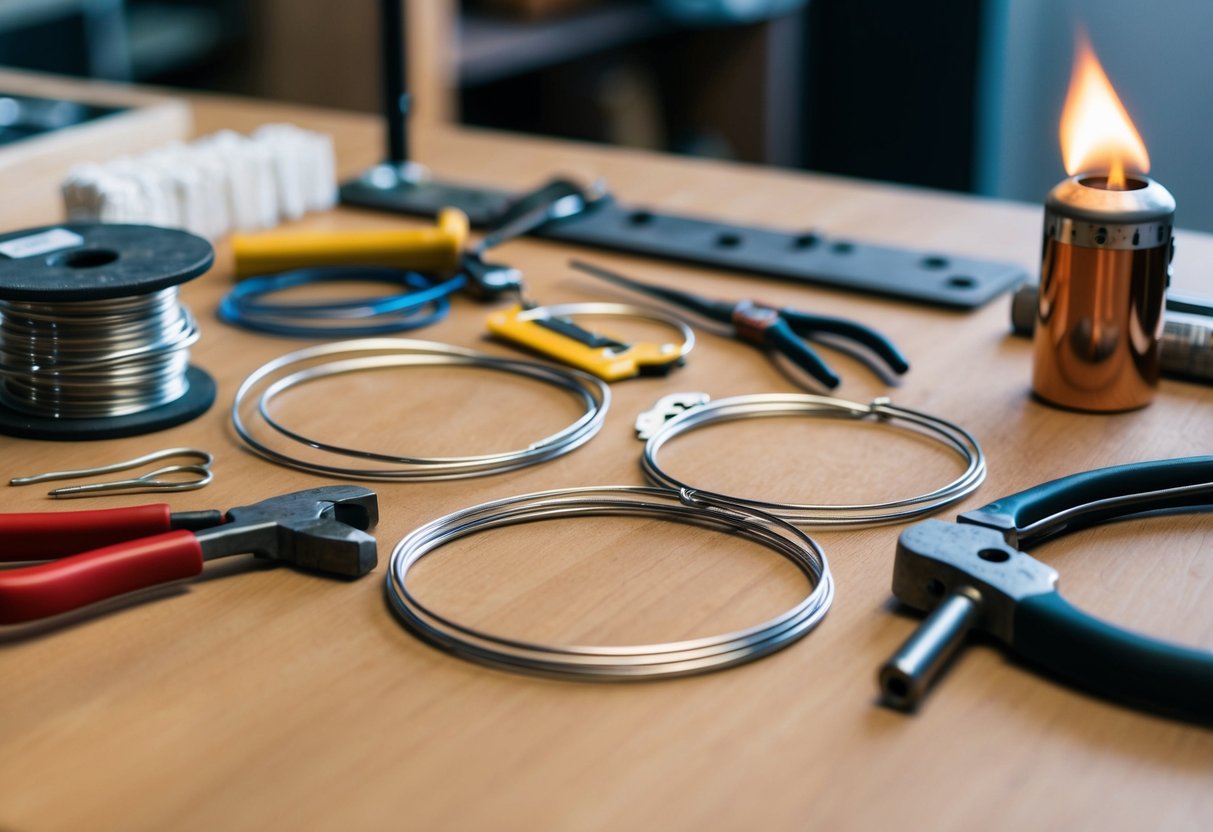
(139, 547)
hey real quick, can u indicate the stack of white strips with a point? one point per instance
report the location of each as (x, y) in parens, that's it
(216, 184)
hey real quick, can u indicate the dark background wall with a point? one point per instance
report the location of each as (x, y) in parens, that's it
(957, 94)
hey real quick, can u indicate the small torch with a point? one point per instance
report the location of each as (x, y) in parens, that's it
(1107, 257)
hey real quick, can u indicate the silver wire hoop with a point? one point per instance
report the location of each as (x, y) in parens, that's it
(328, 360)
(677, 658)
(881, 411)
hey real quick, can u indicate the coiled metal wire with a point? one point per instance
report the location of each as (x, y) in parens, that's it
(97, 358)
(328, 360)
(881, 411)
(676, 658)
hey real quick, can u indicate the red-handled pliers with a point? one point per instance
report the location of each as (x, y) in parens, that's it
(321, 528)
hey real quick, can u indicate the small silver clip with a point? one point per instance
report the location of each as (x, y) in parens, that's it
(150, 482)
(667, 408)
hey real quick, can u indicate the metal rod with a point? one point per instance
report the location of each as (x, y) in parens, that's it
(905, 678)
(393, 56)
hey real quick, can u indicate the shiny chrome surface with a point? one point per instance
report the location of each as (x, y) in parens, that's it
(1103, 277)
(95, 359)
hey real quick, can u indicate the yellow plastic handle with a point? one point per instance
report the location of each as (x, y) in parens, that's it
(610, 362)
(435, 249)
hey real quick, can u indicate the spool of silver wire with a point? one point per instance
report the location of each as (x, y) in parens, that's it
(94, 341)
(95, 359)
(881, 411)
(258, 392)
(677, 658)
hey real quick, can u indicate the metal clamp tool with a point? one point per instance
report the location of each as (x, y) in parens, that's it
(323, 529)
(974, 574)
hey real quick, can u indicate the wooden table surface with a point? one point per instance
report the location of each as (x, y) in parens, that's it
(260, 698)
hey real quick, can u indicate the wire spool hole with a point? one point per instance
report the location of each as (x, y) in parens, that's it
(84, 258)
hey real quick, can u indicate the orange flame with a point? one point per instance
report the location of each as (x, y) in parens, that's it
(1097, 135)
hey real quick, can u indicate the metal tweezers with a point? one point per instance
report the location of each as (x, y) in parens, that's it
(197, 474)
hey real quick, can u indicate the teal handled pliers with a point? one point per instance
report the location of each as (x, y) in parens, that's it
(974, 574)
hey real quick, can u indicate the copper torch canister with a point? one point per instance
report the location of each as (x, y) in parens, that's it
(1103, 277)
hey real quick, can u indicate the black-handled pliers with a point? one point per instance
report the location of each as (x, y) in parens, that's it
(781, 329)
(973, 574)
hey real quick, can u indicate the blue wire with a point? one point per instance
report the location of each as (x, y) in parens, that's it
(422, 303)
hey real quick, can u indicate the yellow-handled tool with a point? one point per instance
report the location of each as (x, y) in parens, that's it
(435, 249)
(551, 331)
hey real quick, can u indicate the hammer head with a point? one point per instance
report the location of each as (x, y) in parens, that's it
(351, 505)
(321, 528)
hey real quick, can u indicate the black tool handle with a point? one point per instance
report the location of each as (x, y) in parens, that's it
(809, 325)
(1134, 669)
(779, 336)
(1093, 497)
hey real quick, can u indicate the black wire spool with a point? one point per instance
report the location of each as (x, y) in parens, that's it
(93, 342)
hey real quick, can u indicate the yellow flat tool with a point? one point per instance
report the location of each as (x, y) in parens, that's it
(437, 249)
(550, 331)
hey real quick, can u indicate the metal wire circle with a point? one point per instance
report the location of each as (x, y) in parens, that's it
(329, 360)
(96, 358)
(881, 411)
(676, 658)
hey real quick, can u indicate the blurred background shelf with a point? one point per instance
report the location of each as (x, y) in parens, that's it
(958, 94)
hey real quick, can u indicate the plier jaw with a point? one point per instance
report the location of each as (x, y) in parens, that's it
(766, 327)
(972, 575)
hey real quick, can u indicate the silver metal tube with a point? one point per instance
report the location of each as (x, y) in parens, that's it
(905, 678)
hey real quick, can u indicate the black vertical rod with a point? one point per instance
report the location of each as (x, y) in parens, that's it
(394, 68)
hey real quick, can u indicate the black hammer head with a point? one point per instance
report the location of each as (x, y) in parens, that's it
(321, 528)
(351, 505)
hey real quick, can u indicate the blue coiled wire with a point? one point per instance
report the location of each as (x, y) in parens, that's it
(422, 302)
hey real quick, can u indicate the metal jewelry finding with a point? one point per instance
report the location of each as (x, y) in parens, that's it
(342, 358)
(882, 411)
(676, 658)
(160, 479)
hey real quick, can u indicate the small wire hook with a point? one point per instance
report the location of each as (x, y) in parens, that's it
(152, 481)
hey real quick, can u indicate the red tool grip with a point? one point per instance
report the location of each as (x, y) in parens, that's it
(51, 588)
(58, 534)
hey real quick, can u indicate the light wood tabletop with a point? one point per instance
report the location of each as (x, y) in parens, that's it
(262, 698)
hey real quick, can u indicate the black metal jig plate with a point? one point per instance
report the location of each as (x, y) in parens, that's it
(807, 257)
